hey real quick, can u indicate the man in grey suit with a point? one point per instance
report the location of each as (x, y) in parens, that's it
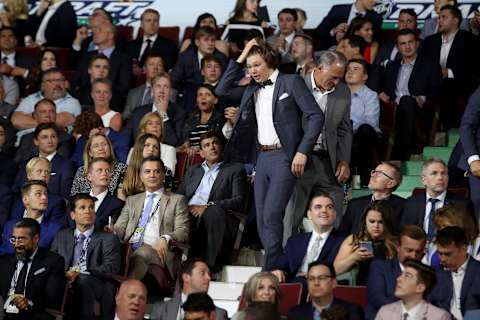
(194, 278)
(327, 168)
(213, 188)
(151, 219)
(89, 255)
(283, 39)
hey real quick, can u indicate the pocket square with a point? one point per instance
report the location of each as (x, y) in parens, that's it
(41, 270)
(283, 96)
(53, 173)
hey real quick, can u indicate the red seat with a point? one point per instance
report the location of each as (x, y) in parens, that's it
(62, 56)
(32, 52)
(171, 33)
(125, 32)
(181, 167)
(292, 292)
(353, 294)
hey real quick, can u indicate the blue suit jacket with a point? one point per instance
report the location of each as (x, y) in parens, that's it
(297, 102)
(111, 206)
(382, 279)
(469, 143)
(56, 210)
(48, 230)
(6, 198)
(296, 248)
(61, 177)
(305, 311)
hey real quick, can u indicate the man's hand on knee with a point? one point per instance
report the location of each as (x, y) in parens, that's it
(161, 247)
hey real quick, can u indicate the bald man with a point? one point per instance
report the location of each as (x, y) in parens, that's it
(131, 300)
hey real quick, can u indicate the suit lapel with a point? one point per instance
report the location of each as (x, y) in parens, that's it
(276, 90)
(302, 249)
(94, 242)
(69, 244)
(467, 283)
(164, 199)
(327, 246)
(139, 208)
(197, 179)
(218, 181)
(36, 265)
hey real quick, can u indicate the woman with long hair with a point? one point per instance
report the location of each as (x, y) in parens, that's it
(46, 60)
(363, 27)
(205, 20)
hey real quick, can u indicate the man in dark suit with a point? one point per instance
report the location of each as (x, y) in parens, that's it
(212, 189)
(410, 82)
(383, 274)
(320, 245)
(458, 286)
(339, 17)
(194, 278)
(420, 208)
(6, 198)
(89, 256)
(186, 75)
(35, 201)
(455, 51)
(32, 279)
(282, 142)
(55, 22)
(321, 278)
(384, 180)
(302, 55)
(328, 167)
(152, 42)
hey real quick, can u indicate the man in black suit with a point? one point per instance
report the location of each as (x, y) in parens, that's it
(212, 189)
(420, 208)
(335, 24)
(321, 278)
(455, 50)
(98, 68)
(152, 42)
(410, 82)
(55, 22)
(90, 256)
(43, 270)
(384, 180)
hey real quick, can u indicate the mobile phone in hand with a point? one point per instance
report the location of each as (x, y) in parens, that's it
(367, 245)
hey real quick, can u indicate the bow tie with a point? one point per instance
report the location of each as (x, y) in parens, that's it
(263, 84)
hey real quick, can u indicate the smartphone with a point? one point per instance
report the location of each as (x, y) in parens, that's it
(367, 245)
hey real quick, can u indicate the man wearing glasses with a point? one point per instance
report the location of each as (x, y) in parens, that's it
(384, 180)
(321, 280)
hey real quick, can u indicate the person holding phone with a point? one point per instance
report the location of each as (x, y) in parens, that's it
(374, 240)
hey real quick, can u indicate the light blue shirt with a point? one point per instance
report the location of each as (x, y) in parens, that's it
(202, 193)
(365, 108)
(107, 52)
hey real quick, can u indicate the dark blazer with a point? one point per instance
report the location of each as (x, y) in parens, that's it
(351, 221)
(339, 14)
(8, 170)
(61, 177)
(110, 206)
(27, 149)
(425, 79)
(296, 248)
(297, 103)
(414, 208)
(56, 210)
(61, 27)
(228, 190)
(48, 230)
(383, 56)
(305, 311)
(382, 279)
(45, 281)
(103, 254)
(462, 58)
(6, 198)
(162, 46)
(469, 143)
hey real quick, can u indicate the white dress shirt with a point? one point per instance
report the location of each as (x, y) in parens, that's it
(40, 37)
(413, 312)
(202, 194)
(145, 44)
(100, 197)
(321, 98)
(181, 313)
(10, 59)
(428, 207)
(151, 234)
(267, 135)
(324, 236)
(445, 50)
(39, 219)
(457, 278)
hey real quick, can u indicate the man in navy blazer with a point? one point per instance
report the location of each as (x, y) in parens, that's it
(383, 274)
(339, 17)
(276, 131)
(460, 269)
(303, 249)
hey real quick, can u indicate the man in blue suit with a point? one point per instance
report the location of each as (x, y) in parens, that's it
(458, 285)
(383, 274)
(270, 122)
(35, 200)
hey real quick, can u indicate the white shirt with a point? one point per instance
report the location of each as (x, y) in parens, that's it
(163, 114)
(267, 135)
(13, 282)
(321, 98)
(50, 156)
(40, 37)
(354, 12)
(39, 219)
(202, 194)
(145, 43)
(200, 57)
(152, 235)
(181, 313)
(445, 50)
(457, 278)
(412, 313)
(100, 197)
(10, 58)
(428, 207)
(311, 243)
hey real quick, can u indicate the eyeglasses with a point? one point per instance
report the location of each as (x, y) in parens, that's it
(13, 239)
(54, 80)
(376, 172)
(321, 278)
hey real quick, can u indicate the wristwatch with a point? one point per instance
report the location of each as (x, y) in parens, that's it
(210, 203)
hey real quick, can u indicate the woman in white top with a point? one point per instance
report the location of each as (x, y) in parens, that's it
(101, 95)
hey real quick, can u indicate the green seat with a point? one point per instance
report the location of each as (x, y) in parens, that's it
(409, 183)
(412, 168)
(437, 152)
(452, 137)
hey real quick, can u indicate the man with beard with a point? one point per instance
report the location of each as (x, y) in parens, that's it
(44, 269)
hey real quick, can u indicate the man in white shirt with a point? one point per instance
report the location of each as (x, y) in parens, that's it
(131, 300)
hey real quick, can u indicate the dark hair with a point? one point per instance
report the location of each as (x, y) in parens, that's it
(151, 55)
(329, 266)
(425, 274)
(361, 62)
(318, 194)
(356, 42)
(356, 24)
(44, 126)
(240, 6)
(104, 81)
(451, 235)
(212, 134)
(414, 232)
(6, 28)
(188, 266)
(199, 301)
(454, 11)
(149, 10)
(98, 159)
(201, 17)
(153, 159)
(261, 310)
(210, 57)
(405, 32)
(252, 34)
(51, 70)
(28, 223)
(44, 100)
(409, 11)
(85, 122)
(308, 40)
(266, 52)
(205, 32)
(29, 184)
(209, 87)
(397, 173)
(42, 53)
(72, 201)
(99, 56)
(290, 11)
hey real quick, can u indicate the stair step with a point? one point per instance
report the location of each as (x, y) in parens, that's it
(437, 152)
(238, 274)
(409, 183)
(412, 168)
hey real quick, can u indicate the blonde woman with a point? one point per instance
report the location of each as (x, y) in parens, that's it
(15, 16)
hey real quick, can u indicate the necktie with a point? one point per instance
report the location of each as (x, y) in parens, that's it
(77, 250)
(405, 316)
(147, 95)
(314, 250)
(5, 60)
(299, 70)
(431, 227)
(145, 52)
(263, 84)
(147, 211)
(22, 276)
(316, 315)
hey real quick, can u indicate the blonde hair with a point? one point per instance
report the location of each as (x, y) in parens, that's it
(86, 150)
(34, 161)
(251, 287)
(143, 124)
(18, 9)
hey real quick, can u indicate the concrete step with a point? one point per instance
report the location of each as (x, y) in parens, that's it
(238, 274)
